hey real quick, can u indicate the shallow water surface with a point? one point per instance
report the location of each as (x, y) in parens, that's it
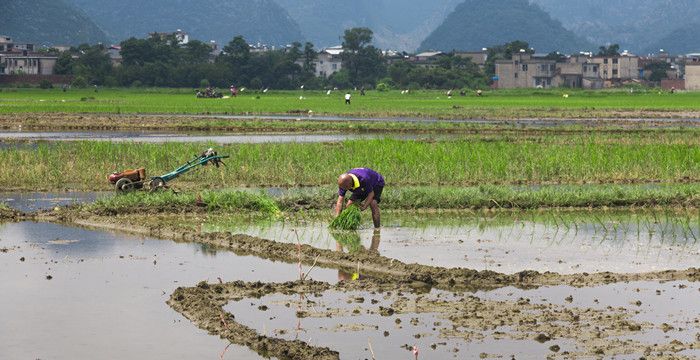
(107, 292)
(34, 201)
(219, 138)
(562, 242)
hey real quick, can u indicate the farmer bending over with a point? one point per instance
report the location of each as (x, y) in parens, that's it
(366, 186)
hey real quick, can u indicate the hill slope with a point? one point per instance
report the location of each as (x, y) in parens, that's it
(683, 40)
(397, 24)
(476, 24)
(48, 22)
(261, 21)
(634, 24)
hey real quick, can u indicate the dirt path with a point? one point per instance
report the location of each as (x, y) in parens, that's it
(182, 123)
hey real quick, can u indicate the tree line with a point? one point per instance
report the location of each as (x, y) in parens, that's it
(161, 61)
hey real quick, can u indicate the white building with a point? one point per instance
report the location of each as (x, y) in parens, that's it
(328, 61)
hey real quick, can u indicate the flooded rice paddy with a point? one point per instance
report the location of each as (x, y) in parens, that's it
(71, 292)
(562, 242)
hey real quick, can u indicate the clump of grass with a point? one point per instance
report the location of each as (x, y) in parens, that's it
(349, 219)
(212, 201)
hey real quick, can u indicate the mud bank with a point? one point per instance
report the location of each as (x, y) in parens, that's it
(8, 214)
(376, 266)
(271, 123)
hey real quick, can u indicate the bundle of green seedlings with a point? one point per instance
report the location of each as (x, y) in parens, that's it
(349, 219)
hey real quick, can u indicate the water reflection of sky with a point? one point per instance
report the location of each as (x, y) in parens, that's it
(19, 138)
(107, 295)
(33, 201)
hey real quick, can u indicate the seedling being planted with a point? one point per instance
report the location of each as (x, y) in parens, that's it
(349, 219)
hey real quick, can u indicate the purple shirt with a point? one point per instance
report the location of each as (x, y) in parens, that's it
(369, 179)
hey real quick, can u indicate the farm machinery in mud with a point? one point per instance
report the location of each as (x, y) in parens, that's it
(134, 179)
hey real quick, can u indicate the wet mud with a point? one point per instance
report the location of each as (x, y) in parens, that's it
(175, 122)
(568, 331)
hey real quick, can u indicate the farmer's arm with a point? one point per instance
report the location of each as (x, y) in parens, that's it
(368, 200)
(339, 205)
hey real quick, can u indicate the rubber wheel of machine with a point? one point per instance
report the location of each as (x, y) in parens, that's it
(156, 184)
(124, 185)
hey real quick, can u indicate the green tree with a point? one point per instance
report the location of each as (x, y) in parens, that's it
(93, 64)
(196, 52)
(609, 51)
(363, 61)
(64, 64)
(658, 70)
(309, 58)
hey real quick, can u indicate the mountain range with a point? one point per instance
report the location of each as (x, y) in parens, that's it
(476, 24)
(397, 24)
(641, 26)
(262, 21)
(48, 22)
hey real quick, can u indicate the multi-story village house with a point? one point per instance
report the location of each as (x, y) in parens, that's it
(526, 70)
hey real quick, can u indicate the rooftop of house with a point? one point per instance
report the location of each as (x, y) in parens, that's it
(427, 54)
(333, 50)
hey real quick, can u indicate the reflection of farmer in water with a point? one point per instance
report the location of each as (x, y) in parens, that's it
(366, 186)
(351, 241)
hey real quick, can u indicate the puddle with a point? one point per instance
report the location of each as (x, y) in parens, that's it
(155, 137)
(509, 242)
(107, 293)
(34, 201)
(351, 326)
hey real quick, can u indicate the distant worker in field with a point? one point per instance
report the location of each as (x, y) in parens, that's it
(366, 186)
(347, 98)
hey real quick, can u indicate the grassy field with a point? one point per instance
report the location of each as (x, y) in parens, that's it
(649, 157)
(527, 103)
(406, 198)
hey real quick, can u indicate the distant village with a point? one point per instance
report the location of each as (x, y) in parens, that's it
(26, 64)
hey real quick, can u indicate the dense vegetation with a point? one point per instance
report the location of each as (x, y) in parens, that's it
(47, 22)
(257, 20)
(233, 202)
(577, 158)
(478, 24)
(161, 61)
(501, 104)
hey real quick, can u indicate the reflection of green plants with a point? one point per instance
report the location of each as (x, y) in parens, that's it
(349, 239)
(349, 219)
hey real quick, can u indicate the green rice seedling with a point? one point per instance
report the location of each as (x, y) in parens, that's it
(518, 103)
(168, 201)
(349, 219)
